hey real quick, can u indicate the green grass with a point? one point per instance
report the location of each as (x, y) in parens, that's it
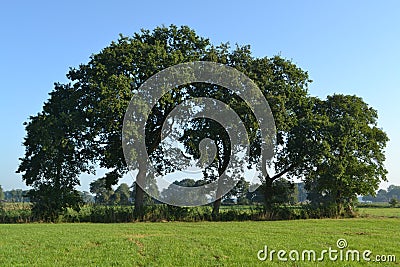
(379, 212)
(191, 244)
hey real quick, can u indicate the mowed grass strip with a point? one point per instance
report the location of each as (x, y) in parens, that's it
(192, 244)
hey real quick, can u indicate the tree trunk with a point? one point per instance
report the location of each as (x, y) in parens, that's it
(268, 185)
(139, 194)
(216, 206)
(268, 194)
(217, 202)
(139, 202)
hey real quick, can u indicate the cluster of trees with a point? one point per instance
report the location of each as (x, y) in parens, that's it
(392, 192)
(285, 193)
(107, 196)
(334, 145)
(14, 195)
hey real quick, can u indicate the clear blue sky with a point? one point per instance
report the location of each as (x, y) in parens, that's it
(350, 47)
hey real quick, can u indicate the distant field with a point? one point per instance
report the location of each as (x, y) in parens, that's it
(193, 244)
(379, 212)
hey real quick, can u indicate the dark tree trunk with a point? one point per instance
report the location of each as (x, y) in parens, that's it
(139, 202)
(216, 206)
(217, 202)
(139, 194)
(267, 186)
(268, 194)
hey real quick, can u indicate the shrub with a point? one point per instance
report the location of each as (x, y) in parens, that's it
(393, 202)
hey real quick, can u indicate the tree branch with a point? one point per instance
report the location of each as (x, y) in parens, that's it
(286, 170)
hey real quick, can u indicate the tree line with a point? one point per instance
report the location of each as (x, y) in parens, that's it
(333, 145)
(125, 195)
(290, 202)
(14, 195)
(392, 193)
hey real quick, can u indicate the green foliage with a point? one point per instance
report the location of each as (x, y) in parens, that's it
(153, 213)
(50, 202)
(172, 195)
(15, 213)
(383, 195)
(240, 192)
(351, 155)
(102, 192)
(55, 155)
(16, 195)
(106, 84)
(22, 213)
(393, 202)
(122, 194)
(106, 196)
(274, 196)
(393, 191)
(334, 145)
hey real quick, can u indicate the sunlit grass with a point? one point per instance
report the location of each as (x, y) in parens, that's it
(190, 244)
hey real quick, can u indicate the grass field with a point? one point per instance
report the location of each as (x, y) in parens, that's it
(193, 244)
(379, 212)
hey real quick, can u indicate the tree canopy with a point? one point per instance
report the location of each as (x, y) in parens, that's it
(350, 162)
(334, 145)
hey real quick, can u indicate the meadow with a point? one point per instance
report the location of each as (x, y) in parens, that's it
(379, 212)
(196, 244)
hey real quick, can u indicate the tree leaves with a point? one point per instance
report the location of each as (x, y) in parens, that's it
(333, 144)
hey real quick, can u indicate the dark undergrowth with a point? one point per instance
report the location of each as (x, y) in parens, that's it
(162, 212)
